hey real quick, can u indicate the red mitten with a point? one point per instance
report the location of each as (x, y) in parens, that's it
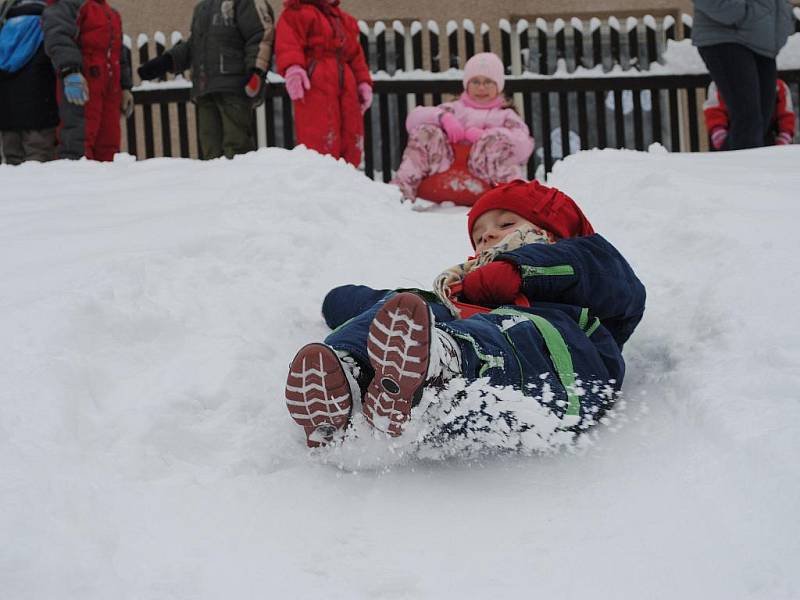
(252, 86)
(499, 282)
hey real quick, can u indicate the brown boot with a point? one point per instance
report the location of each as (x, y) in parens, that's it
(399, 350)
(319, 395)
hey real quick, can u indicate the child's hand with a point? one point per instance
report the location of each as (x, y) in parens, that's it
(76, 90)
(452, 127)
(499, 282)
(473, 134)
(253, 83)
(718, 137)
(296, 82)
(784, 138)
(364, 96)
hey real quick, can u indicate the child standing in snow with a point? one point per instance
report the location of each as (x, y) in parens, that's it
(545, 301)
(83, 38)
(482, 117)
(317, 51)
(718, 122)
(229, 52)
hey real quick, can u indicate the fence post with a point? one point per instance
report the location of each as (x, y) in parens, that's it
(147, 111)
(632, 26)
(163, 108)
(130, 124)
(613, 35)
(505, 43)
(403, 100)
(433, 39)
(486, 38)
(560, 36)
(451, 29)
(468, 28)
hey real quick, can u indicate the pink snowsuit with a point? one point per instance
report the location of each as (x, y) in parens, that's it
(498, 156)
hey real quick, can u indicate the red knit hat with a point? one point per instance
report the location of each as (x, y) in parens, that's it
(544, 206)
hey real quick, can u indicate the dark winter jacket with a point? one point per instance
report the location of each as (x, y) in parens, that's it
(585, 272)
(28, 96)
(229, 39)
(86, 35)
(761, 25)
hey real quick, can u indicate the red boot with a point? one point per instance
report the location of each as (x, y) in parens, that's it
(407, 353)
(319, 395)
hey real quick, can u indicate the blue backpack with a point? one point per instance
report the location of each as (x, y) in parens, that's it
(20, 38)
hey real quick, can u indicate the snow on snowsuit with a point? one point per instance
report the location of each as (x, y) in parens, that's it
(783, 120)
(86, 36)
(499, 155)
(585, 303)
(328, 119)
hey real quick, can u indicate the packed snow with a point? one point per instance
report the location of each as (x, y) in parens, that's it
(149, 311)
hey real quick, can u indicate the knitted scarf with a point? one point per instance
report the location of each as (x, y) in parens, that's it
(520, 237)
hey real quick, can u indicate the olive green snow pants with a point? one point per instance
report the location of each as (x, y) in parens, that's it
(17, 147)
(225, 125)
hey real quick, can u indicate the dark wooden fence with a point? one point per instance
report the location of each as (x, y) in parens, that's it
(564, 114)
(605, 112)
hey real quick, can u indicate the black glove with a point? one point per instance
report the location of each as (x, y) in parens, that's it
(156, 68)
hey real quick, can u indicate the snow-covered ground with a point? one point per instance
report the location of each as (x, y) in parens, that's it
(148, 312)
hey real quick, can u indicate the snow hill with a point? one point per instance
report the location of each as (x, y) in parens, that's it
(148, 312)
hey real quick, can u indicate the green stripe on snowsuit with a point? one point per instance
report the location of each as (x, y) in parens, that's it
(559, 354)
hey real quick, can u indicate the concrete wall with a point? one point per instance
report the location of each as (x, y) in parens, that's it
(147, 16)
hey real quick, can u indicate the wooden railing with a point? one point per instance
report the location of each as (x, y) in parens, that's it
(564, 114)
(604, 112)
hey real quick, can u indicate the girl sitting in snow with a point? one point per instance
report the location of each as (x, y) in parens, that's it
(482, 117)
(545, 306)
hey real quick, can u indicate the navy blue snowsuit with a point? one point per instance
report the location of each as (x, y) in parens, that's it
(585, 303)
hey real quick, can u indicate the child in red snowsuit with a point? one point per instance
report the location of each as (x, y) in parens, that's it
(318, 52)
(83, 38)
(717, 120)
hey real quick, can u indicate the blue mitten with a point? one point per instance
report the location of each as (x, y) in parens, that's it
(75, 89)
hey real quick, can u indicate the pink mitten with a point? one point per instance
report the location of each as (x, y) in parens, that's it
(473, 134)
(364, 96)
(784, 138)
(296, 82)
(718, 137)
(452, 127)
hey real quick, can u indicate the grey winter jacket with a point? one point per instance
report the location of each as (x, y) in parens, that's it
(80, 34)
(761, 25)
(229, 38)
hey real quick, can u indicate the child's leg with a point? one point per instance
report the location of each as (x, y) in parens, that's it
(568, 363)
(428, 151)
(407, 353)
(491, 159)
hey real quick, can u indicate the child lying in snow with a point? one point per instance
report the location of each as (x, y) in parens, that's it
(545, 301)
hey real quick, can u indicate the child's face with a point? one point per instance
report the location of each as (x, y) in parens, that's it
(482, 89)
(494, 225)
